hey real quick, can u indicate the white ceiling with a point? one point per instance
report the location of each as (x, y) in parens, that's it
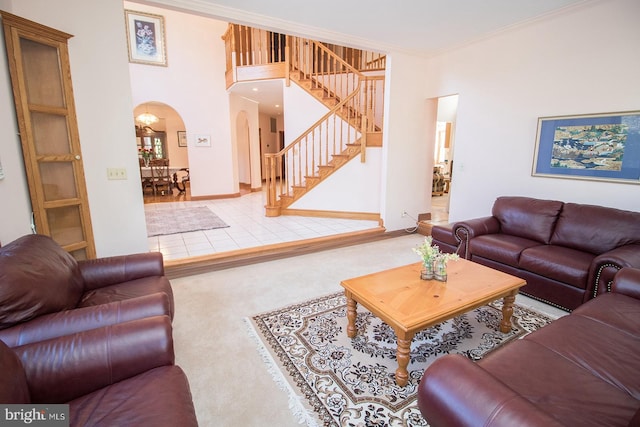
(419, 27)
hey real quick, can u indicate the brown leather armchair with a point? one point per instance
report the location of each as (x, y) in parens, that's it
(46, 293)
(118, 375)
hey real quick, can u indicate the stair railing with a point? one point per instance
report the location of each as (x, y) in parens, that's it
(288, 170)
(357, 98)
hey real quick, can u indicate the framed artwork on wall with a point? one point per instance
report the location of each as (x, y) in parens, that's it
(601, 147)
(182, 138)
(146, 38)
(202, 140)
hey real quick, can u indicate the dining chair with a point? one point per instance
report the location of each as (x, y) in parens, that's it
(160, 176)
(146, 179)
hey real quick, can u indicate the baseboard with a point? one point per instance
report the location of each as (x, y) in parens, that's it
(369, 216)
(217, 196)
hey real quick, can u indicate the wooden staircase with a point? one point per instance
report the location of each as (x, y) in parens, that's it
(354, 99)
(323, 171)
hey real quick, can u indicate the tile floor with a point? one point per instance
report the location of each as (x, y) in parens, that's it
(248, 228)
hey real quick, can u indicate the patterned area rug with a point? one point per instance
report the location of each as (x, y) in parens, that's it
(181, 220)
(335, 381)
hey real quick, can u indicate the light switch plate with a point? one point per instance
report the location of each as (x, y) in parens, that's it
(116, 173)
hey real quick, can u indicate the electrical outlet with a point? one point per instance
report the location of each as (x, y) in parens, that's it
(116, 173)
(404, 213)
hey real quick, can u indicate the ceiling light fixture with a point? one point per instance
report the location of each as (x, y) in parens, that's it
(147, 118)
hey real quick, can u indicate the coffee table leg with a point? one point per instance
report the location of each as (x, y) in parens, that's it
(507, 311)
(352, 305)
(403, 356)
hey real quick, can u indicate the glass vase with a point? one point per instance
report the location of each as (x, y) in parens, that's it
(440, 270)
(427, 272)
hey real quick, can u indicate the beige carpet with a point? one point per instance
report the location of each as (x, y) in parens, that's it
(181, 220)
(228, 379)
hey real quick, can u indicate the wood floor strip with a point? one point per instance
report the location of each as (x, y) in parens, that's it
(205, 263)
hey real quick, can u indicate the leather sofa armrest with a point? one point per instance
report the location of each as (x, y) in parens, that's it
(627, 282)
(101, 272)
(455, 391)
(61, 369)
(606, 266)
(86, 318)
(466, 230)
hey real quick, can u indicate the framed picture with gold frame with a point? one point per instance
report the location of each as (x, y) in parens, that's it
(146, 38)
(599, 147)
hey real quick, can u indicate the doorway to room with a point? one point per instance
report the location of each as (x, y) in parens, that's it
(443, 157)
(161, 135)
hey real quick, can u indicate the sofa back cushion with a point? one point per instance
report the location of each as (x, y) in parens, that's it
(13, 385)
(36, 277)
(596, 229)
(527, 217)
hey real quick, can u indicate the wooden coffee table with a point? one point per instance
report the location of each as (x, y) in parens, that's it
(409, 305)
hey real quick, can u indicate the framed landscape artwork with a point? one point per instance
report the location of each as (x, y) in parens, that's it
(145, 38)
(603, 147)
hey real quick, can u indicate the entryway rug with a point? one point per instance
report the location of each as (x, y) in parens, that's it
(333, 380)
(181, 220)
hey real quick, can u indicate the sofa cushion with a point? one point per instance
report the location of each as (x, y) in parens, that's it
(617, 310)
(13, 386)
(159, 397)
(37, 277)
(565, 391)
(526, 217)
(596, 229)
(503, 248)
(603, 351)
(562, 264)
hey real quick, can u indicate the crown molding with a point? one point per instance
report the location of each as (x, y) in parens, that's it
(229, 14)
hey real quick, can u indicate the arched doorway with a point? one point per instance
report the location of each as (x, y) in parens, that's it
(164, 136)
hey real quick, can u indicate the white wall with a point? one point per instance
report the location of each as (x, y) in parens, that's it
(194, 85)
(408, 142)
(581, 62)
(16, 212)
(300, 111)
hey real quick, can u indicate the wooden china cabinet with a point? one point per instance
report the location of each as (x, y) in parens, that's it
(38, 60)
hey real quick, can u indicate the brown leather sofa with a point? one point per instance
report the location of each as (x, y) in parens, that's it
(582, 369)
(567, 252)
(46, 293)
(118, 375)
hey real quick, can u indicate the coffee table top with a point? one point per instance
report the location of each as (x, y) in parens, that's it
(405, 302)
